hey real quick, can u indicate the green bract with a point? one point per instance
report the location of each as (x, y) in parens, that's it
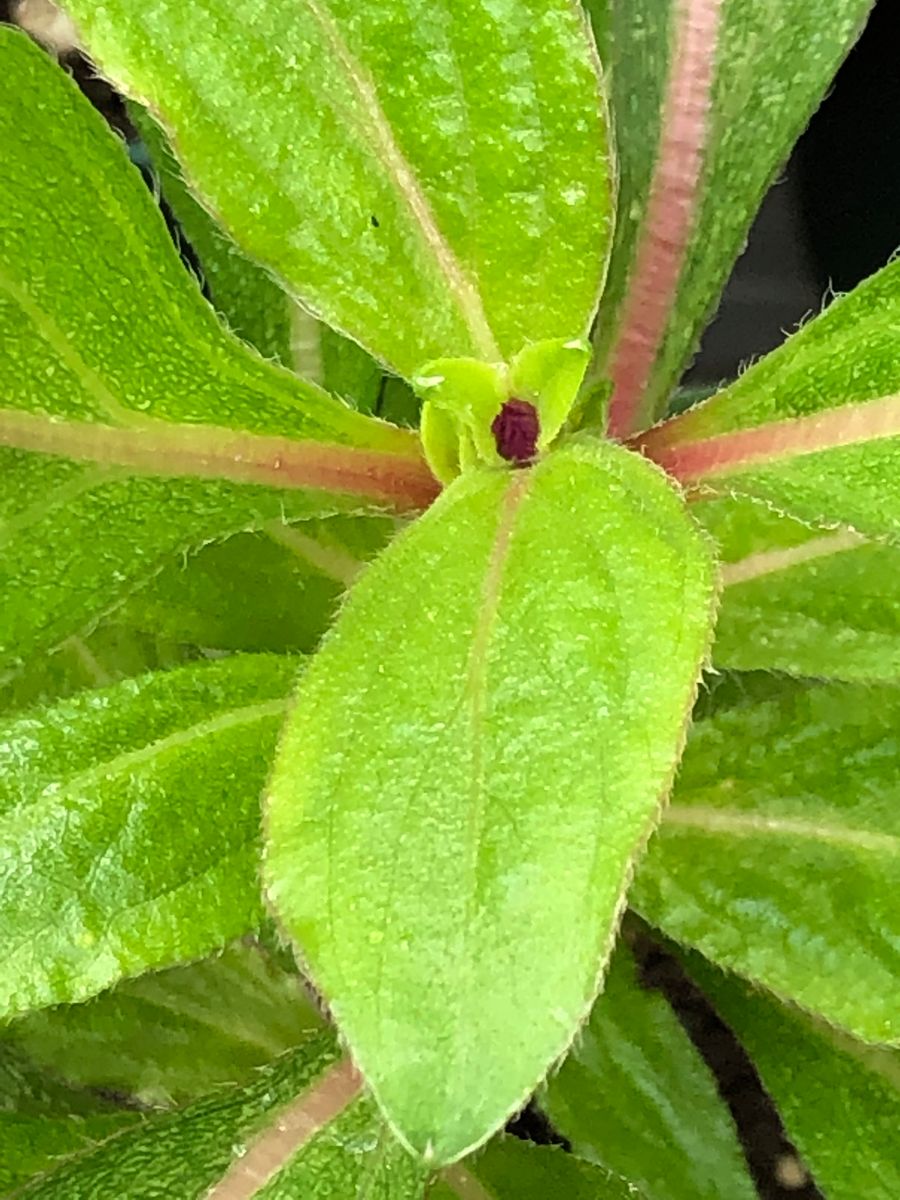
(270, 933)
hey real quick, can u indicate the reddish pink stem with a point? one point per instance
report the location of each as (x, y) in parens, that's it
(692, 462)
(401, 481)
(671, 210)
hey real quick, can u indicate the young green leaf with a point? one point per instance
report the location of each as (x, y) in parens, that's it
(635, 1096)
(277, 590)
(708, 98)
(813, 429)
(129, 826)
(43, 1120)
(804, 601)
(839, 1098)
(509, 1169)
(208, 1150)
(120, 385)
(468, 206)
(476, 756)
(778, 857)
(172, 1036)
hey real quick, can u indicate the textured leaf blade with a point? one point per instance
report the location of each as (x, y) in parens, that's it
(471, 188)
(120, 384)
(129, 825)
(824, 1084)
(43, 1120)
(804, 601)
(251, 302)
(814, 428)
(416, 856)
(509, 1169)
(277, 590)
(189, 1151)
(738, 80)
(175, 1035)
(635, 1096)
(778, 856)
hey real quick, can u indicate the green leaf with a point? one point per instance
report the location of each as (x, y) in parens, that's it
(708, 98)
(155, 428)
(129, 825)
(188, 1153)
(354, 1156)
(800, 600)
(277, 590)
(839, 1098)
(778, 857)
(509, 1169)
(253, 305)
(173, 1036)
(468, 193)
(428, 854)
(43, 1120)
(636, 1097)
(812, 430)
(111, 653)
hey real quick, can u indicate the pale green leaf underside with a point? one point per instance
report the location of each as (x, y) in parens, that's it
(804, 601)
(839, 1098)
(426, 859)
(172, 1036)
(456, 206)
(112, 358)
(184, 1153)
(129, 826)
(635, 1096)
(780, 854)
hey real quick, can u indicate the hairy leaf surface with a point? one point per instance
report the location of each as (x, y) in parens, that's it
(252, 304)
(425, 857)
(276, 590)
(171, 1036)
(813, 429)
(778, 857)
(457, 207)
(805, 601)
(132, 424)
(708, 98)
(129, 826)
(636, 1097)
(187, 1152)
(839, 1098)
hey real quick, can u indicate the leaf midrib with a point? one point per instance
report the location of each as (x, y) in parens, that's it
(710, 820)
(128, 760)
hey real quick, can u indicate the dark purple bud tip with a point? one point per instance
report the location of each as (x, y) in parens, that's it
(516, 428)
